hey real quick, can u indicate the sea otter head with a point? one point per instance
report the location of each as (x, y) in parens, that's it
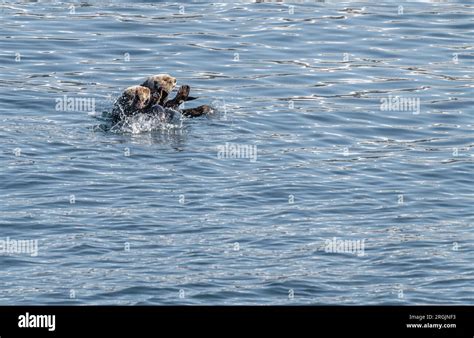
(136, 97)
(160, 81)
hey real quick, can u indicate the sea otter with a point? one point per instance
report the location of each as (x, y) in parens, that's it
(160, 86)
(132, 100)
(151, 98)
(137, 99)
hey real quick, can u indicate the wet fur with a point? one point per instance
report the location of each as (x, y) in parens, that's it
(151, 98)
(133, 99)
(161, 81)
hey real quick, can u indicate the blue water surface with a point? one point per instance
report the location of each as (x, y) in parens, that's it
(151, 215)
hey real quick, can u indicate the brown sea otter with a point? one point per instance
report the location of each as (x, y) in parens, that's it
(160, 86)
(151, 98)
(133, 99)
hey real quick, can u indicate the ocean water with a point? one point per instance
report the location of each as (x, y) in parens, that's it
(336, 168)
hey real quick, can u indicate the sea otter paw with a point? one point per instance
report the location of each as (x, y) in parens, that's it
(198, 111)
